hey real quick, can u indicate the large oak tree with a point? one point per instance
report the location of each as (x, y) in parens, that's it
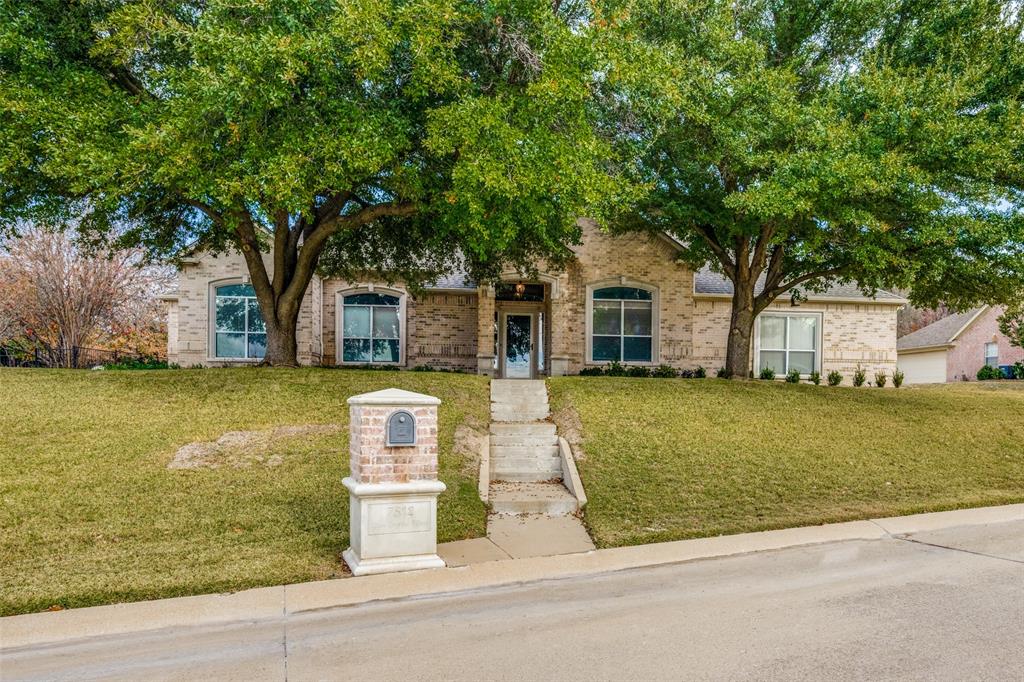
(398, 131)
(823, 141)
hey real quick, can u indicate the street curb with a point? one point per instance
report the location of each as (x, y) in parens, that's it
(269, 603)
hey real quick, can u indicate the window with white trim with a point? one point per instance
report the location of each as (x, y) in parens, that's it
(992, 354)
(622, 324)
(370, 328)
(788, 342)
(239, 330)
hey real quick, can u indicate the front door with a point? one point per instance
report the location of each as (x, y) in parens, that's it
(518, 346)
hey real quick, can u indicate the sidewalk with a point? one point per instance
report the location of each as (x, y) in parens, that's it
(274, 603)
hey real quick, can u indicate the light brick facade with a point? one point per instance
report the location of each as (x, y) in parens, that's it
(455, 328)
(371, 461)
(967, 355)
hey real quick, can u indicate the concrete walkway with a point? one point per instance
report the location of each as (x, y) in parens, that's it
(944, 601)
(285, 601)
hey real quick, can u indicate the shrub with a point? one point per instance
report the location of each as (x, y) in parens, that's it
(880, 379)
(897, 378)
(859, 377)
(815, 378)
(1018, 370)
(835, 378)
(768, 374)
(591, 372)
(638, 371)
(722, 373)
(700, 373)
(146, 363)
(988, 373)
(793, 376)
(686, 374)
(665, 372)
(615, 369)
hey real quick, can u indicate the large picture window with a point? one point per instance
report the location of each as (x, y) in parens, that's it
(239, 331)
(788, 342)
(622, 325)
(370, 328)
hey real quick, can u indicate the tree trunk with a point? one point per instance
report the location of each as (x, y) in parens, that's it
(741, 330)
(282, 346)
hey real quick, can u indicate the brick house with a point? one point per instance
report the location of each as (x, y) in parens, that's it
(955, 347)
(622, 298)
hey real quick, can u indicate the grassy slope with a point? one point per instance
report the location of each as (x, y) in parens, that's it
(671, 459)
(91, 515)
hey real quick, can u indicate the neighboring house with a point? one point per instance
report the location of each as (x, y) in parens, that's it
(622, 298)
(955, 348)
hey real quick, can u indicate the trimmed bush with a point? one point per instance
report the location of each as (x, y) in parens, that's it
(1018, 370)
(793, 376)
(859, 377)
(815, 378)
(897, 378)
(989, 373)
(835, 378)
(591, 372)
(638, 371)
(665, 372)
(722, 373)
(880, 379)
(615, 369)
(768, 374)
(700, 373)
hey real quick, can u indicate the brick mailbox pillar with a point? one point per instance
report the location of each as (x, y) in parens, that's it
(393, 484)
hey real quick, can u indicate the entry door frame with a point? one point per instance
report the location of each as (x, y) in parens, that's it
(531, 310)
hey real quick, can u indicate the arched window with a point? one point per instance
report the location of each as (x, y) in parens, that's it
(239, 331)
(622, 324)
(370, 328)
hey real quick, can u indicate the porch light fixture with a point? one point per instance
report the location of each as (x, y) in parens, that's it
(520, 289)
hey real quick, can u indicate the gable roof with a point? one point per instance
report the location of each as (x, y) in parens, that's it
(939, 334)
(706, 282)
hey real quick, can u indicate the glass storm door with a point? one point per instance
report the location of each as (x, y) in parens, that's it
(518, 346)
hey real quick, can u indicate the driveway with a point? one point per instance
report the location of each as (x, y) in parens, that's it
(943, 605)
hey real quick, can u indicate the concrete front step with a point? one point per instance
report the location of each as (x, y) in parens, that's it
(517, 440)
(526, 467)
(520, 476)
(523, 451)
(519, 415)
(527, 429)
(551, 499)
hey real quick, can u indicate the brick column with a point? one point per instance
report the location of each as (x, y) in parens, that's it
(392, 489)
(561, 329)
(485, 350)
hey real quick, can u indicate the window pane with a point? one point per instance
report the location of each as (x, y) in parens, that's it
(230, 345)
(236, 290)
(385, 323)
(636, 318)
(801, 361)
(636, 349)
(356, 350)
(607, 318)
(371, 299)
(230, 314)
(774, 359)
(992, 354)
(357, 322)
(257, 345)
(622, 293)
(606, 348)
(773, 332)
(255, 317)
(385, 350)
(803, 333)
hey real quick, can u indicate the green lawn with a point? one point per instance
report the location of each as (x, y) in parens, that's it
(666, 459)
(90, 513)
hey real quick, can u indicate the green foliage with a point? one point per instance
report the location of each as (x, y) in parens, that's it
(823, 143)
(700, 373)
(615, 369)
(793, 376)
(768, 374)
(880, 379)
(1018, 369)
(638, 371)
(591, 372)
(665, 372)
(897, 378)
(989, 373)
(815, 378)
(1011, 324)
(859, 376)
(835, 378)
(722, 373)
